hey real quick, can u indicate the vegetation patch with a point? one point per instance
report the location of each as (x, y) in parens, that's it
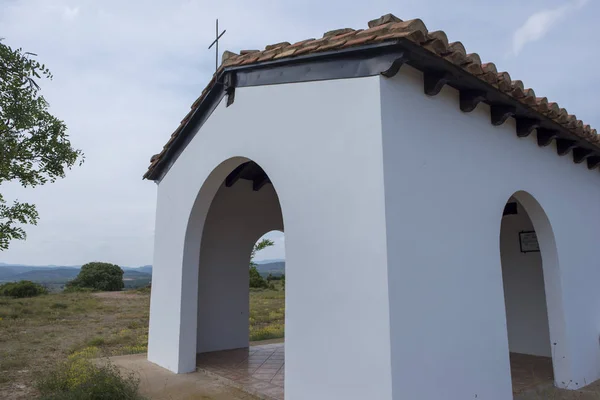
(267, 313)
(39, 333)
(22, 289)
(79, 378)
(272, 331)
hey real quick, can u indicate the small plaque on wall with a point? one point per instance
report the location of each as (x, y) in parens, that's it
(528, 241)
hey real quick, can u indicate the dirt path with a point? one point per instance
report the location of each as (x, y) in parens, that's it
(159, 384)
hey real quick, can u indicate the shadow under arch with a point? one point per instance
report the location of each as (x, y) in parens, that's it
(552, 286)
(229, 213)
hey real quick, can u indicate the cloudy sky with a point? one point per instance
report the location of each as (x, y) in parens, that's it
(126, 72)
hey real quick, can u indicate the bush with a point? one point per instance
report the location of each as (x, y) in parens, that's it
(22, 289)
(257, 281)
(80, 379)
(98, 276)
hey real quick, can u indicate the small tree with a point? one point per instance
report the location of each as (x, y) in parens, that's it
(257, 281)
(99, 276)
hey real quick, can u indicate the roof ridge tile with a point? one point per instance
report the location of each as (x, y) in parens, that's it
(384, 19)
(337, 32)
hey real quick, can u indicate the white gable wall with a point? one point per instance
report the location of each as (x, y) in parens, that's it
(320, 143)
(448, 176)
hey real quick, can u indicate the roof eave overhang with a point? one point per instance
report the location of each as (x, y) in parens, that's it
(386, 59)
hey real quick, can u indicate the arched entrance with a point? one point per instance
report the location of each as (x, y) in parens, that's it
(244, 208)
(236, 206)
(532, 295)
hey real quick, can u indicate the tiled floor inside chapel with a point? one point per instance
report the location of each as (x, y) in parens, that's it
(259, 370)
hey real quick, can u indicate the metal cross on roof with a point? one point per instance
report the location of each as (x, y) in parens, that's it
(216, 42)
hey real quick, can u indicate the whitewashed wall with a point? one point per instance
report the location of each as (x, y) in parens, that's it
(448, 176)
(524, 293)
(320, 144)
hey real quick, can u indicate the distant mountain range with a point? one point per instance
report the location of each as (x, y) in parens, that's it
(273, 267)
(57, 274)
(62, 274)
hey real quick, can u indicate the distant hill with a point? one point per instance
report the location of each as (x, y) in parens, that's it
(52, 274)
(275, 268)
(270, 260)
(145, 268)
(6, 272)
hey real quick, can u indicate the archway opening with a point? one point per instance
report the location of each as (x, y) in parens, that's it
(267, 289)
(524, 254)
(239, 304)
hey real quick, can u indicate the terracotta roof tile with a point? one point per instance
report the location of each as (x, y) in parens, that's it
(302, 42)
(276, 45)
(436, 46)
(285, 53)
(338, 32)
(456, 53)
(504, 82)
(387, 28)
(360, 40)
(307, 49)
(331, 46)
(383, 20)
(458, 47)
(376, 29)
(490, 73)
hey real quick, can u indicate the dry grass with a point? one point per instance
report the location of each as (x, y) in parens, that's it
(36, 333)
(267, 314)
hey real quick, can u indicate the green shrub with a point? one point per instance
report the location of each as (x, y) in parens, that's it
(80, 379)
(22, 289)
(98, 276)
(257, 281)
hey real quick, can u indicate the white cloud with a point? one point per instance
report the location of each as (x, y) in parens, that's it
(540, 23)
(70, 13)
